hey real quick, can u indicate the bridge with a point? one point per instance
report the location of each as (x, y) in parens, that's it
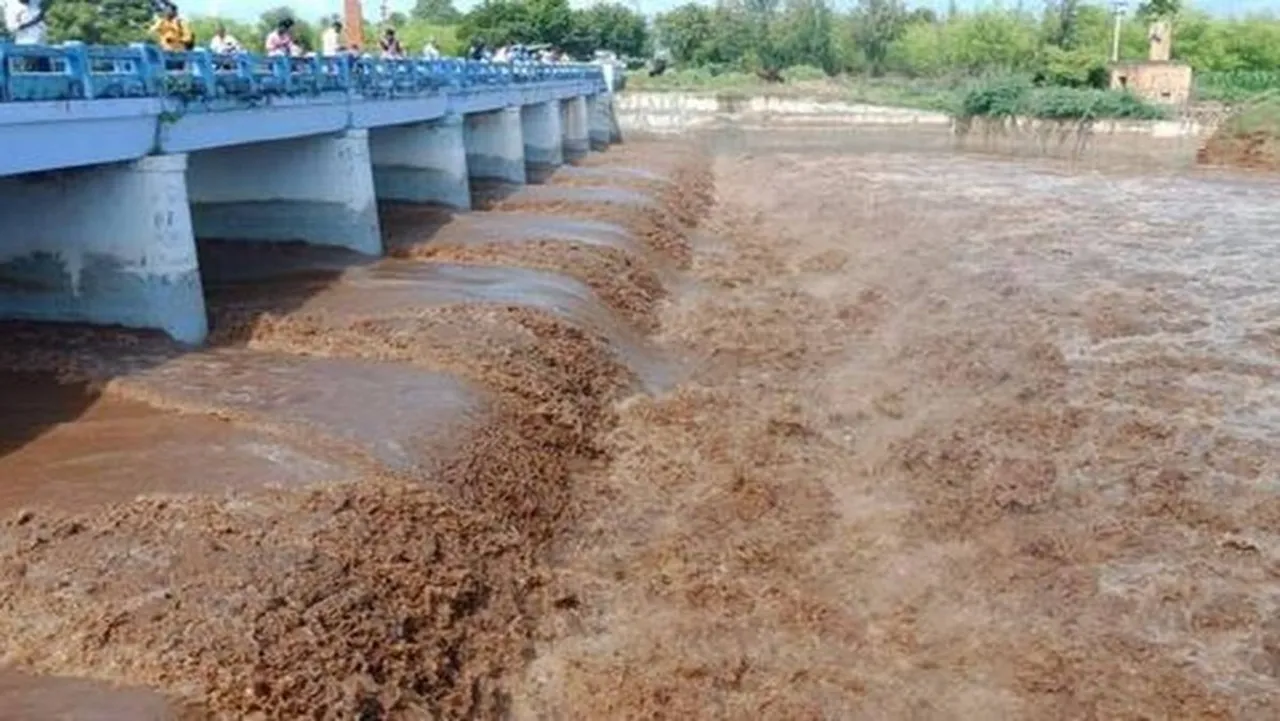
(113, 160)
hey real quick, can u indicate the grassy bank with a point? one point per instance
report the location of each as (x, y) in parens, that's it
(1248, 138)
(963, 96)
(1236, 86)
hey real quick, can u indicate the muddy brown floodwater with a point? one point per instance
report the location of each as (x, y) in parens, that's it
(785, 425)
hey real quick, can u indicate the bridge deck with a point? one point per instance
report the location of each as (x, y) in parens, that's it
(74, 105)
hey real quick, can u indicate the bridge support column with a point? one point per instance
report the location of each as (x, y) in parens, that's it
(317, 189)
(573, 121)
(495, 146)
(109, 245)
(421, 163)
(602, 123)
(540, 124)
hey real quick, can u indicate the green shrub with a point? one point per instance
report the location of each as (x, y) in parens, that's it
(1260, 115)
(800, 73)
(1018, 96)
(1236, 86)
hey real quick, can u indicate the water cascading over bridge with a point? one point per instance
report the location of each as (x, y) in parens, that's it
(113, 160)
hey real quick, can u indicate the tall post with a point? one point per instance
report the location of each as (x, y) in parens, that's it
(1117, 8)
(353, 23)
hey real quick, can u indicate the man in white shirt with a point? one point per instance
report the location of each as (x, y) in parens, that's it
(331, 40)
(25, 21)
(430, 51)
(222, 43)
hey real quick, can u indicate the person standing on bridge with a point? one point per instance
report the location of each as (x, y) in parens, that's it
(24, 20)
(280, 41)
(223, 43)
(430, 51)
(172, 32)
(391, 48)
(331, 40)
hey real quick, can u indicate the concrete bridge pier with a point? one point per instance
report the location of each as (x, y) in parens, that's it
(109, 245)
(573, 122)
(543, 151)
(602, 123)
(495, 146)
(421, 163)
(316, 189)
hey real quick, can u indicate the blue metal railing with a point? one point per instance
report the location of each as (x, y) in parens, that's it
(86, 72)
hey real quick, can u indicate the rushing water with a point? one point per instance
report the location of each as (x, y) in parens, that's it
(248, 418)
(1175, 271)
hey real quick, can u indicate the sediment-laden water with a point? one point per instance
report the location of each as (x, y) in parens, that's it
(344, 506)
(819, 429)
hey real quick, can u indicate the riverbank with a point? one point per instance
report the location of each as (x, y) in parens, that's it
(1168, 143)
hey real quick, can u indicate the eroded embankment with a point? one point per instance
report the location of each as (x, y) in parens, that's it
(409, 587)
(1259, 150)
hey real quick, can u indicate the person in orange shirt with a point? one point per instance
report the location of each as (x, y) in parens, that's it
(172, 32)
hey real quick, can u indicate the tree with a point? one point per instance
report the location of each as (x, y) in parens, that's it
(1062, 21)
(763, 50)
(109, 22)
(919, 16)
(685, 33)
(439, 12)
(878, 24)
(805, 35)
(612, 26)
(1159, 9)
(498, 22)
(552, 22)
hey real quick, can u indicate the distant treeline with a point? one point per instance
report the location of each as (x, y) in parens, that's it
(1061, 42)
(1065, 42)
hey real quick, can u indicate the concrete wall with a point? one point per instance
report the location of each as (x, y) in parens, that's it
(574, 123)
(540, 126)
(421, 163)
(495, 146)
(317, 189)
(1164, 83)
(655, 112)
(602, 123)
(111, 245)
(1167, 143)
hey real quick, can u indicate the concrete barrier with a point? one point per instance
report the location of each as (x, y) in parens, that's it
(1171, 143)
(316, 189)
(543, 150)
(574, 124)
(495, 146)
(421, 163)
(602, 124)
(673, 112)
(111, 245)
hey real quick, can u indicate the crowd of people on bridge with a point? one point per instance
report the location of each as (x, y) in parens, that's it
(24, 20)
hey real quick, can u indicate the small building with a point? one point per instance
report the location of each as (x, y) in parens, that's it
(1167, 83)
(1159, 79)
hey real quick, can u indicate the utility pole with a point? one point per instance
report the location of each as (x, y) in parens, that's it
(1117, 8)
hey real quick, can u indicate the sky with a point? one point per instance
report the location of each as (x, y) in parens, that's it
(250, 9)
